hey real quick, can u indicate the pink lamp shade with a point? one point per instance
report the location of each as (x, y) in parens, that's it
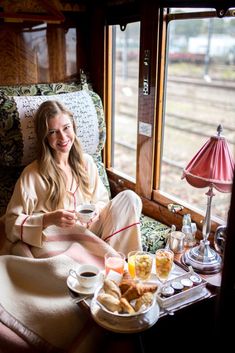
(213, 166)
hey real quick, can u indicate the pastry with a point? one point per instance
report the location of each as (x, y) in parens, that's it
(131, 293)
(126, 276)
(126, 282)
(125, 285)
(126, 306)
(146, 299)
(137, 290)
(110, 287)
(146, 287)
(109, 302)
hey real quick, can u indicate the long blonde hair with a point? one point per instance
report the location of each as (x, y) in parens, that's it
(48, 169)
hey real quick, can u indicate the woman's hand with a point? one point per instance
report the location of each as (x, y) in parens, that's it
(60, 218)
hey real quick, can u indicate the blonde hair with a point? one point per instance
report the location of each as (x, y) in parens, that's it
(48, 169)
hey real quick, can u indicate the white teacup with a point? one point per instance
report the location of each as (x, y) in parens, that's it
(86, 275)
(85, 212)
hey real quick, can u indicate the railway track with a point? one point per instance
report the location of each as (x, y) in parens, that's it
(196, 127)
(199, 119)
(185, 125)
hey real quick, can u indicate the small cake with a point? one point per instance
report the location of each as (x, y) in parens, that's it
(167, 291)
(187, 283)
(195, 279)
(177, 286)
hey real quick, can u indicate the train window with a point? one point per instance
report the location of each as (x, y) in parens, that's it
(199, 95)
(125, 75)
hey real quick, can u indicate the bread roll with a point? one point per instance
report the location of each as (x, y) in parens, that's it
(109, 302)
(110, 287)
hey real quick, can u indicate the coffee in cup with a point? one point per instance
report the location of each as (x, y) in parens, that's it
(85, 212)
(87, 275)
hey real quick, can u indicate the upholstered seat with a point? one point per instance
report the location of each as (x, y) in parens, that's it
(17, 139)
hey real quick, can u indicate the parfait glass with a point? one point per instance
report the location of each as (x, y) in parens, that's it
(164, 263)
(143, 265)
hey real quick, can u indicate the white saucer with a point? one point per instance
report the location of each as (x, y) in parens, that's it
(74, 285)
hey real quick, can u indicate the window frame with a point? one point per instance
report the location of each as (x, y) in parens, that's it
(153, 36)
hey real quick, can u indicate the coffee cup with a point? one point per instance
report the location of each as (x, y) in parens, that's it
(87, 275)
(85, 212)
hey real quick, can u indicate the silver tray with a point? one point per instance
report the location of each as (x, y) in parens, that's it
(180, 297)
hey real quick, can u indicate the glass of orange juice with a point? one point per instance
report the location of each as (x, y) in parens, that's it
(114, 261)
(131, 263)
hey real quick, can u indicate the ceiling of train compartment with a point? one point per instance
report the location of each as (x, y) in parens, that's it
(50, 11)
(55, 11)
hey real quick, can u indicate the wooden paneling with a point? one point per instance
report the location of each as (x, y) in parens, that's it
(56, 53)
(18, 63)
(96, 54)
(42, 54)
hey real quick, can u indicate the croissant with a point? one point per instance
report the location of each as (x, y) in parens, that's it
(126, 275)
(146, 299)
(146, 287)
(131, 293)
(125, 285)
(137, 290)
(126, 282)
(109, 301)
(110, 287)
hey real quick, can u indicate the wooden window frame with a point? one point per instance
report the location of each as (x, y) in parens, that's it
(150, 110)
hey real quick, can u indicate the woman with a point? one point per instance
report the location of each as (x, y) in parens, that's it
(41, 212)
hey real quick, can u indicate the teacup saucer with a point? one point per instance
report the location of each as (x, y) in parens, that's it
(74, 285)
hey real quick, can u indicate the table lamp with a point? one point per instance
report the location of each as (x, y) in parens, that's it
(213, 167)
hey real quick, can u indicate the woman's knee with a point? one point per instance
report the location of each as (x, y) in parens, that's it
(132, 198)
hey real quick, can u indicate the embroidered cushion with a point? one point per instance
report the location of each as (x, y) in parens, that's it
(17, 139)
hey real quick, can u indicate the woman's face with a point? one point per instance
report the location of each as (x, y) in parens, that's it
(60, 134)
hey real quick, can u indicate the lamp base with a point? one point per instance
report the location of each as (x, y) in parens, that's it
(202, 258)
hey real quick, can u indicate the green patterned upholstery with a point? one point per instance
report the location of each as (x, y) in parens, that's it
(41, 89)
(153, 232)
